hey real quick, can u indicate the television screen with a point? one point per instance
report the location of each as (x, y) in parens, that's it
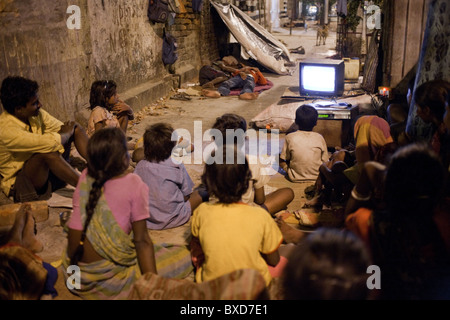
(321, 78)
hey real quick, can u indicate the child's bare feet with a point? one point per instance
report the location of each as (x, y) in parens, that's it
(29, 239)
(211, 93)
(249, 96)
(290, 234)
(15, 234)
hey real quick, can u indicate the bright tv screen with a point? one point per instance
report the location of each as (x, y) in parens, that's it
(321, 78)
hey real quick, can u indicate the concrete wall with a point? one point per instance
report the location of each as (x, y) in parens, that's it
(37, 44)
(125, 46)
(115, 41)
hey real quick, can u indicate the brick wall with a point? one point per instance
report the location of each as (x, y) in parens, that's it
(114, 40)
(196, 36)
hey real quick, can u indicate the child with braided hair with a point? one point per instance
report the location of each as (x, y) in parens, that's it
(107, 232)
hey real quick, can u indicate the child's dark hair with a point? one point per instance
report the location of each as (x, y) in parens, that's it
(331, 264)
(433, 94)
(106, 158)
(227, 181)
(230, 121)
(19, 281)
(101, 91)
(16, 92)
(306, 117)
(414, 181)
(158, 143)
(349, 158)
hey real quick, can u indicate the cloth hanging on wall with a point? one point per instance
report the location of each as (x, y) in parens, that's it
(371, 65)
(341, 8)
(434, 63)
(197, 6)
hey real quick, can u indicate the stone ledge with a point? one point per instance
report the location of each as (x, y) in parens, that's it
(145, 93)
(187, 73)
(148, 92)
(8, 212)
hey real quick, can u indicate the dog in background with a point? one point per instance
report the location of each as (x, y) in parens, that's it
(322, 34)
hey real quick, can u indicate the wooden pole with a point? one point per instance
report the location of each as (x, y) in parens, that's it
(259, 11)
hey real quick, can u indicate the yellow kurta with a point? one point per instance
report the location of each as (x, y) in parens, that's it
(18, 143)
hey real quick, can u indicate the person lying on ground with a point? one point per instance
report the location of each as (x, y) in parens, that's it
(246, 78)
(211, 75)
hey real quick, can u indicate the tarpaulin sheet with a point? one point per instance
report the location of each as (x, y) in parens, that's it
(257, 42)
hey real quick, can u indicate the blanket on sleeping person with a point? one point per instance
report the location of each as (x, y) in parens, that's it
(258, 88)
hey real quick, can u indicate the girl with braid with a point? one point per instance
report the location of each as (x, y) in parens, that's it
(107, 233)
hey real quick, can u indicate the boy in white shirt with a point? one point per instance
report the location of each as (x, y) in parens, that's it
(304, 150)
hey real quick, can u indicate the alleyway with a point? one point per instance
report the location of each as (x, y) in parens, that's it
(190, 114)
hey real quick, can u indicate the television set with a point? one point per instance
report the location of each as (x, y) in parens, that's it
(321, 78)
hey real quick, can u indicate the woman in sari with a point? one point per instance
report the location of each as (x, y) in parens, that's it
(107, 232)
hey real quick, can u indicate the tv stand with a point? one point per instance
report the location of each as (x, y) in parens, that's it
(315, 98)
(335, 123)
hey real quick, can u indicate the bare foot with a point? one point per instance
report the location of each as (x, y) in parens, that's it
(249, 96)
(208, 85)
(211, 93)
(29, 239)
(15, 234)
(290, 234)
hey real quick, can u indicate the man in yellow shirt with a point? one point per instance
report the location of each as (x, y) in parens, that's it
(34, 145)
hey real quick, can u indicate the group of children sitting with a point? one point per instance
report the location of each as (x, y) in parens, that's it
(396, 196)
(232, 217)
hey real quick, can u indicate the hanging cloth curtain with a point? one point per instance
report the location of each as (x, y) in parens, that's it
(434, 63)
(341, 8)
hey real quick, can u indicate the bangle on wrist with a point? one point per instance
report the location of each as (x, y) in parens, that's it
(360, 197)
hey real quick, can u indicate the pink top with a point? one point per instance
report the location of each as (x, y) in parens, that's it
(99, 114)
(126, 196)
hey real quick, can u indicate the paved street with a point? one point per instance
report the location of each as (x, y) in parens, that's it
(199, 112)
